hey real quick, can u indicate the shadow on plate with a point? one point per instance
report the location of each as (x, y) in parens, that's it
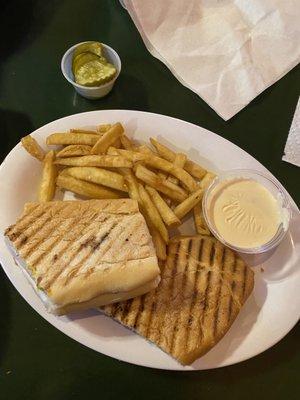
(98, 324)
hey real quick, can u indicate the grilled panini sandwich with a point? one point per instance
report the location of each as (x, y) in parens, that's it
(203, 287)
(82, 254)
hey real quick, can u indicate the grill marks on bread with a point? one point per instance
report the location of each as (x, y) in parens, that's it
(60, 240)
(203, 287)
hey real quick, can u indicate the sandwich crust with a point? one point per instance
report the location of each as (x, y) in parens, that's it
(81, 251)
(203, 287)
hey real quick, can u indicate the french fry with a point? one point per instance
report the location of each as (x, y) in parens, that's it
(162, 175)
(129, 154)
(183, 208)
(86, 131)
(175, 188)
(179, 161)
(72, 138)
(47, 185)
(152, 213)
(163, 150)
(74, 150)
(96, 161)
(190, 166)
(184, 177)
(132, 184)
(107, 139)
(117, 143)
(194, 169)
(32, 147)
(103, 128)
(164, 210)
(99, 176)
(200, 223)
(112, 151)
(167, 200)
(63, 172)
(163, 186)
(159, 244)
(207, 180)
(87, 189)
(145, 149)
(126, 142)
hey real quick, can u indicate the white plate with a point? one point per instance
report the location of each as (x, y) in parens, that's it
(270, 312)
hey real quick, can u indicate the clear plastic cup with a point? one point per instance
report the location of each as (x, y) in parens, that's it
(269, 183)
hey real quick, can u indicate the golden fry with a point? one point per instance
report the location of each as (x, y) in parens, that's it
(145, 149)
(162, 175)
(112, 151)
(117, 144)
(184, 177)
(183, 208)
(159, 244)
(86, 131)
(129, 154)
(103, 128)
(164, 210)
(127, 143)
(49, 174)
(72, 138)
(132, 184)
(152, 213)
(167, 200)
(194, 169)
(96, 161)
(190, 166)
(32, 147)
(200, 223)
(74, 150)
(179, 161)
(107, 139)
(163, 150)
(87, 189)
(100, 176)
(175, 188)
(163, 186)
(207, 180)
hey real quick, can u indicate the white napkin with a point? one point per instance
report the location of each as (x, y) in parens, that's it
(292, 147)
(226, 51)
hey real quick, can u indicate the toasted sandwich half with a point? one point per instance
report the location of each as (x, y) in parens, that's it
(82, 254)
(203, 287)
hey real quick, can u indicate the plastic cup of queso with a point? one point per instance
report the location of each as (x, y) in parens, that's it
(234, 214)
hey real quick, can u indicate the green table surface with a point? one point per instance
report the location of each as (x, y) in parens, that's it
(36, 360)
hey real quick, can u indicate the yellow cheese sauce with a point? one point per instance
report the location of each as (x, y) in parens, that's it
(245, 213)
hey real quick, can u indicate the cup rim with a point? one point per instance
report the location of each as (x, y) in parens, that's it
(91, 88)
(286, 205)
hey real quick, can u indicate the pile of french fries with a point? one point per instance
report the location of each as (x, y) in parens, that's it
(105, 164)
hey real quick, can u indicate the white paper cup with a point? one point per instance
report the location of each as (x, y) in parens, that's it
(91, 92)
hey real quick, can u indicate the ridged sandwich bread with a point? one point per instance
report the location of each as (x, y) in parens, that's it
(203, 287)
(82, 254)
